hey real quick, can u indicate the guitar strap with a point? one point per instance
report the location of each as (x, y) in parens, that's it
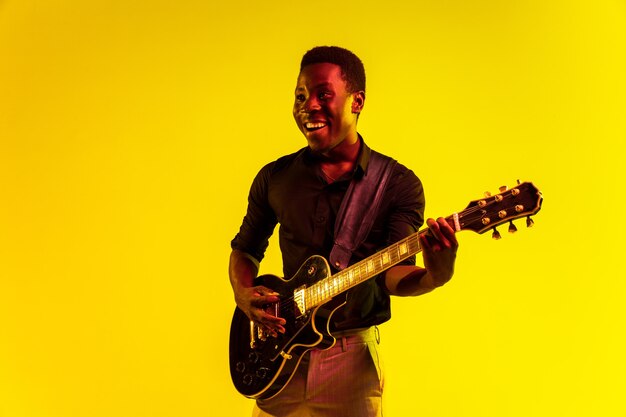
(359, 208)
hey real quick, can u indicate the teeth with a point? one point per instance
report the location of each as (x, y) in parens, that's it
(314, 125)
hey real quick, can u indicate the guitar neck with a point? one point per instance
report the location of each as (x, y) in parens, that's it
(479, 216)
(323, 290)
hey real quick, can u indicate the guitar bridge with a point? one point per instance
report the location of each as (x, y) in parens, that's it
(252, 338)
(256, 333)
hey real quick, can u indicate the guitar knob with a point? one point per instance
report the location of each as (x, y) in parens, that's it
(262, 373)
(512, 228)
(496, 234)
(487, 194)
(253, 357)
(240, 367)
(248, 379)
(503, 188)
(529, 222)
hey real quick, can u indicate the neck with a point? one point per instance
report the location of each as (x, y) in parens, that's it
(347, 151)
(340, 160)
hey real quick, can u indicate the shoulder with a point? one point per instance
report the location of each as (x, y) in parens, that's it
(283, 163)
(275, 172)
(405, 191)
(400, 174)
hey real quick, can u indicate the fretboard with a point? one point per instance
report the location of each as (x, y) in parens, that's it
(322, 291)
(479, 216)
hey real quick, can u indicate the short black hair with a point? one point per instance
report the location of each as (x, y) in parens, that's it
(352, 68)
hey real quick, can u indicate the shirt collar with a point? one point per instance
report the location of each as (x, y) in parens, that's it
(362, 160)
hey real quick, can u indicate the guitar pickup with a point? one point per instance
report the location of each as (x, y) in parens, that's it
(299, 302)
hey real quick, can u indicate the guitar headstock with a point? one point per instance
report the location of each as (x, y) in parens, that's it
(523, 200)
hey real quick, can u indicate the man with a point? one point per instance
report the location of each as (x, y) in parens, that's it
(303, 192)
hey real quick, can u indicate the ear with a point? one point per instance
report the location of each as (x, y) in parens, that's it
(358, 101)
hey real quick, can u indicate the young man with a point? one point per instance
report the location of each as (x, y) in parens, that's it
(303, 192)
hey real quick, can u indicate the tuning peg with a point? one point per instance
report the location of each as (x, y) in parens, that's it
(518, 182)
(512, 228)
(529, 222)
(503, 188)
(496, 234)
(487, 194)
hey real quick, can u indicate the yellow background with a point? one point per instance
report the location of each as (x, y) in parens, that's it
(131, 130)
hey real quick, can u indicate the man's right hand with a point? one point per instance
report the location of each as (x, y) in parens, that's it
(256, 303)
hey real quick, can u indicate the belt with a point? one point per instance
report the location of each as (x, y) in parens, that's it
(353, 336)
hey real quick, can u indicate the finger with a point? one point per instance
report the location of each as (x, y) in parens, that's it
(447, 231)
(429, 243)
(272, 319)
(273, 331)
(444, 226)
(261, 290)
(435, 229)
(425, 241)
(265, 295)
(262, 317)
(273, 323)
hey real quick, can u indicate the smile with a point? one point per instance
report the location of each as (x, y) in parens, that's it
(311, 126)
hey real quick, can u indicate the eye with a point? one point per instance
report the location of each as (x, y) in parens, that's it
(324, 95)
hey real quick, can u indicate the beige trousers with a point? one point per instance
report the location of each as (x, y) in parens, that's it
(343, 381)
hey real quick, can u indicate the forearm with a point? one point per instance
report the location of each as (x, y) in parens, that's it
(242, 269)
(251, 299)
(408, 281)
(439, 253)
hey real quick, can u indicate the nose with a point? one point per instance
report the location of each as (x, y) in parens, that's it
(310, 104)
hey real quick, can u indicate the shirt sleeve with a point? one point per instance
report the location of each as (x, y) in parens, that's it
(406, 214)
(260, 219)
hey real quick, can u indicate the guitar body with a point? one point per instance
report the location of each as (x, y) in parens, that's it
(261, 365)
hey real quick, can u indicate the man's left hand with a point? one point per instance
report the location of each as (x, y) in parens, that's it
(439, 250)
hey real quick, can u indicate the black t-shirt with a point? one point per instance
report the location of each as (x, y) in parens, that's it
(293, 192)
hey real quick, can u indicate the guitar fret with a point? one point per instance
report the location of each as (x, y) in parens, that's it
(402, 248)
(384, 259)
(395, 255)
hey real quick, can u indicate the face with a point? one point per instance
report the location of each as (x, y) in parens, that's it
(324, 110)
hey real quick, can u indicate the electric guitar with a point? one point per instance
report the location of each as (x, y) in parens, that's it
(261, 365)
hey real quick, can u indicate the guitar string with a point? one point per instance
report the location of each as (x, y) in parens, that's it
(285, 303)
(329, 293)
(284, 307)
